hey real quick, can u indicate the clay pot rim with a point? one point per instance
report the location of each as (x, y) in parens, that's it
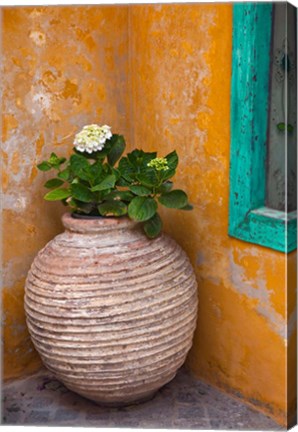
(96, 223)
(75, 215)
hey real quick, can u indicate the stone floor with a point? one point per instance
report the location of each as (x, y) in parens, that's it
(184, 403)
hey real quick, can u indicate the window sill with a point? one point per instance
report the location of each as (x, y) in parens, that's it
(270, 228)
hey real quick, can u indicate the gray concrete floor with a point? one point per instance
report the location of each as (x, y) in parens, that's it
(184, 403)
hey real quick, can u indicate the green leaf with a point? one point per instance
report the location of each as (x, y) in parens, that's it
(62, 160)
(148, 177)
(126, 169)
(147, 157)
(174, 199)
(120, 196)
(168, 174)
(140, 158)
(57, 194)
(81, 192)
(140, 190)
(165, 187)
(103, 194)
(80, 166)
(142, 208)
(290, 128)
(53, 183)
(83, 207)
(117, 149)
(95, 171)
(106, 183)
(122, 182)
(116, 173)
(135, 157)
(112, 208)
(153, 226)
(55, 161)
(44, 166)
(187, 207)
(173, 160)
(65, 174)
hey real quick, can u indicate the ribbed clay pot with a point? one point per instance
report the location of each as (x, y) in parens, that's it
(111, 313)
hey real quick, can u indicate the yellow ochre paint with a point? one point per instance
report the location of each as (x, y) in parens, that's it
(64, 67)
(160, 75)
(180, 73)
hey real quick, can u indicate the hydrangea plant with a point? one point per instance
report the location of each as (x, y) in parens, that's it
(90, 183)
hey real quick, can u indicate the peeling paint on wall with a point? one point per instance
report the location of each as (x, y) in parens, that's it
(257, 289)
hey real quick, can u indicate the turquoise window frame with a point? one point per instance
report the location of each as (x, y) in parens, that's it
(249, 218)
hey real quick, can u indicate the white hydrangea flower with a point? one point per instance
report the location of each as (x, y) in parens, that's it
(92, 138)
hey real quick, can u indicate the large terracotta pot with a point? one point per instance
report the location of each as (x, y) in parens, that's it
(111, 313)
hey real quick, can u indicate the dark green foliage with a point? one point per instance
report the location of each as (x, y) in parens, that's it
(65, 174)
(44, 166)
(91, 183)
(173, 199)
(112, 208)
(81, 192)
(140, 190)
(53, 183)
(165, 187)
(153, 226)
(107, 183)
(120, 195)
(57, 194)
(117, 149)
(80, 167)
(142, 208)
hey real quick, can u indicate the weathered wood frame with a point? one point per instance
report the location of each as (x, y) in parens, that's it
(249, 219)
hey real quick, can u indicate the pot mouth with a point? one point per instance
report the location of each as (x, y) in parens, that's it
(95, 224)
(91, 217)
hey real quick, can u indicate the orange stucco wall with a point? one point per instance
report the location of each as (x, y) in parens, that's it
(64, 67)
(160, 75)
(181, 100)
